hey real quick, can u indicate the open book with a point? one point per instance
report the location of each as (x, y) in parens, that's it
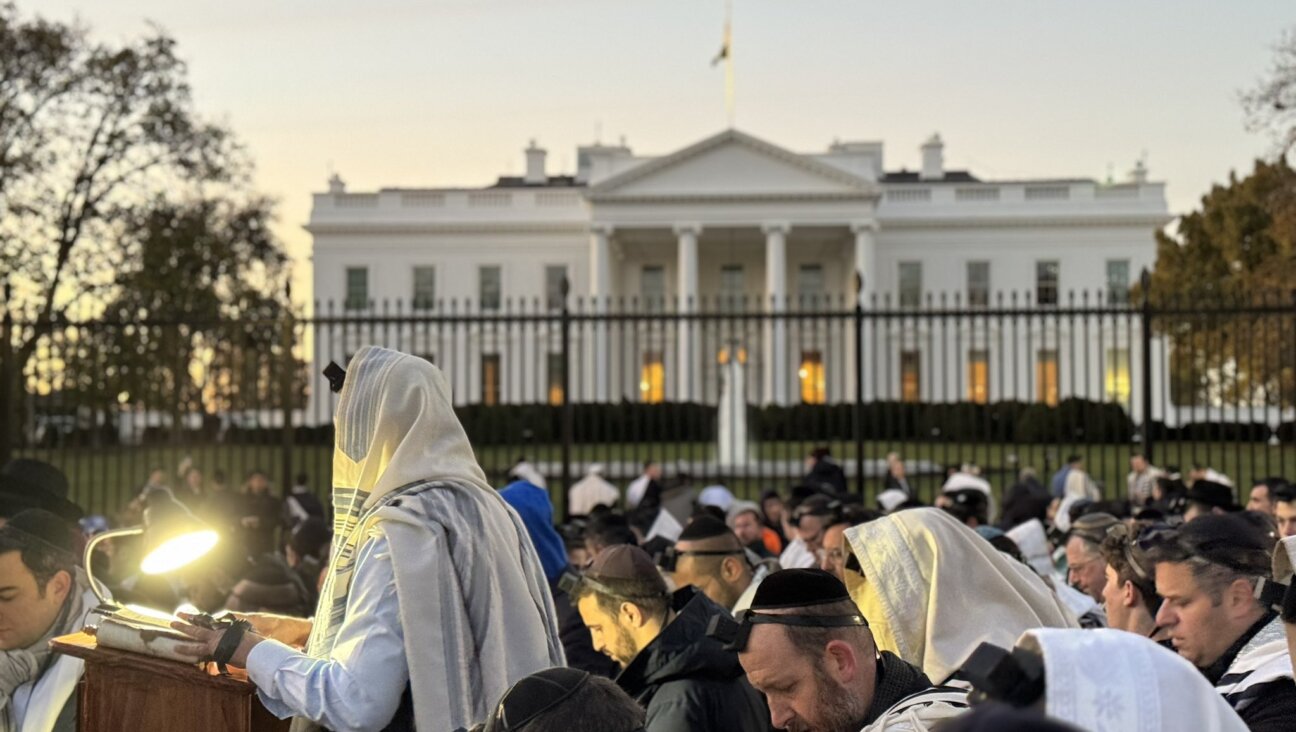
(144, 631)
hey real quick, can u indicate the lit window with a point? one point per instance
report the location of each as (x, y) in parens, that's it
(811, 375)
(556, 381)
(978, 390)
(652, 378)
(1117, 375)
(1046, 377)
(910, 376)
(490, 373)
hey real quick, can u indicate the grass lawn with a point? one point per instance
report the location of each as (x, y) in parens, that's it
(104, 479)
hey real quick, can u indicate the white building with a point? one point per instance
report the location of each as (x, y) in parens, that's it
(735, 216)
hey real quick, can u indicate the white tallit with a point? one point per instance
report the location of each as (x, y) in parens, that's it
(933, 590)
(1109, 680)
(475, 607)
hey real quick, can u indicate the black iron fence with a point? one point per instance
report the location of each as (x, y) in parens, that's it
(734, 391)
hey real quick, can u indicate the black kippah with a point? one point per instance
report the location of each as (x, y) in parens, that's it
(703, 527)
(791, 588)
(535, 695)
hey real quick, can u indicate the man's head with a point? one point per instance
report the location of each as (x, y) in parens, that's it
(564, 700)
(257, 483)
(1263, 494)
(1075, 461)
(969, 505)
(36, 566)
(834, 558)
(746, 524)
(157, 476)
(1285, 511)
(813, 678)
(1138, 463)
(623, 601)
(1206, 498)
(712, 559)
(772, 506)
(1086, 569)
(1206, 572)
(811, 517)
(1130, 593)
(652, 470)
(605, 530)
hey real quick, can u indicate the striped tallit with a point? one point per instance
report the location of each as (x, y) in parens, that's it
(1264, 660)
(466, 573)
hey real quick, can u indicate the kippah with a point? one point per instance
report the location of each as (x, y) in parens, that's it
(536, 694)
(704, 527)
(623, 562)
(791, 588)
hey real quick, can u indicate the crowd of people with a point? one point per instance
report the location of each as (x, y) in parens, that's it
(423, 597)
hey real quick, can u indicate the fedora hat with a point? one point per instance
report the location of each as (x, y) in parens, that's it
(26, 483)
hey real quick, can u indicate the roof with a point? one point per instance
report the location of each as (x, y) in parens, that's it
(913, 176)
(554, 181)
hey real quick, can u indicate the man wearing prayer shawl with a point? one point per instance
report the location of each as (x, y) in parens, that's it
(933, 590)
(434, 602)
(1108, 680)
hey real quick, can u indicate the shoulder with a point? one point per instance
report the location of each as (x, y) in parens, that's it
(922, 710)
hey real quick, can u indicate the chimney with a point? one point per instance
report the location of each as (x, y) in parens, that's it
(336, 184)
(535, 166)
(1139, 174)
(933, 159)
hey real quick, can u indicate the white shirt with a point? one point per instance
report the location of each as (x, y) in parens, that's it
(749, 594)
(797, 556)
(359, 686)
(635, 491)
(589, 492)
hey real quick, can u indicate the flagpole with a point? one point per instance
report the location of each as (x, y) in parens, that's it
(729, 70)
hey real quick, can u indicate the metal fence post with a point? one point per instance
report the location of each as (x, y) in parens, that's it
(858, 414)
(286, 380)
(1145, 324)
(568, 415)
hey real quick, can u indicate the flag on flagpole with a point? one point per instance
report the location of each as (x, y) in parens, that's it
(726, 55)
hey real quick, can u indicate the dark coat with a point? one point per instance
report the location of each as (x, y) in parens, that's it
(687, 681)
(827, 473)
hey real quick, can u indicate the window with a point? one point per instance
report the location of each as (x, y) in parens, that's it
(1046, 282)
(1046, 377)
(557, 383)
(978, 389)
(978, 284)
(810, 285)
(731, 286)
(490, 373)
(910, 378)
(910, 284)
(424, 288)
(811, 375)
(1116, 377)
(357, 288)
(652, 378)
(555, 274)
(488, 288)
(652, 287)
(1118, 281)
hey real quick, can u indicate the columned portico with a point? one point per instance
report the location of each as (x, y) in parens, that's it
(866, 258)
(688, 349)
(776, 378)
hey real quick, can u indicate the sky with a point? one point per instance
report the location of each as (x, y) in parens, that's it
(399, 93)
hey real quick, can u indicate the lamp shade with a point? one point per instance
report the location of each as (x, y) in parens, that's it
(173, 537)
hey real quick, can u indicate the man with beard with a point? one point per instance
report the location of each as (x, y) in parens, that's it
(805, 645)
(683, 679)
(710, 557)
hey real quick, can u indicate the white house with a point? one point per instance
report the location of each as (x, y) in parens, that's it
(734, 216)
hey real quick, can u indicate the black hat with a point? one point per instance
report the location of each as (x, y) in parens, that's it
(1215, 495)
(26, 483)
(1233, 540)
(790, 588)
(534, 695)
(704, 527)
(45, 526)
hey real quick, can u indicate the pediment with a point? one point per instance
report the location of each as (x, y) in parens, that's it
(731, 164)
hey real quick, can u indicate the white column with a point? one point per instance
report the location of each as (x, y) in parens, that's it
(776, 356)
(600, 264)
(688, 368)
(866, 266)
(866, 258)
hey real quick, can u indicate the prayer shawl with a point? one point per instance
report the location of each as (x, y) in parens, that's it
(1263, 660)
(476, 613)
(933, 590)
(1112, 680)
(45, 679)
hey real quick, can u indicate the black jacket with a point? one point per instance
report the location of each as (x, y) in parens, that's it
(827, 473)
(688, 682)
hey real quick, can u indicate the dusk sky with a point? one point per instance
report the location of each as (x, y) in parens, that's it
(448, 92)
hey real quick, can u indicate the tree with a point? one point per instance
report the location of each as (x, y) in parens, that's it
(90, 135)
(1271, 104)
(1237, 253)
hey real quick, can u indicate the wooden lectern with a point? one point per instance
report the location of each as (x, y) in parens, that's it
(129, 692)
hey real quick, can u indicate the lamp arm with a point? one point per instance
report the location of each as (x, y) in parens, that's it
(89, 553)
